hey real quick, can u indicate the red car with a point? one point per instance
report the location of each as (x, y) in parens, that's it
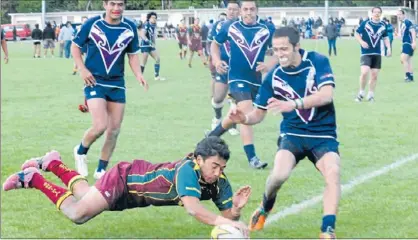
(22, 31)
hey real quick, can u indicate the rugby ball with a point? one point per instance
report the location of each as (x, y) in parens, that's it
(226, 231)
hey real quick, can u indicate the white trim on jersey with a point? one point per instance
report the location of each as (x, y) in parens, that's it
(240, 80)
(305, 135)
(109, 86)
(325, 83)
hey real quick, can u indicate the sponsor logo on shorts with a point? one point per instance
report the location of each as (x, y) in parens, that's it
(93, 93)
(107, 194)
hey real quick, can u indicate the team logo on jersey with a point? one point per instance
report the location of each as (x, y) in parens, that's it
(110, 53)
(374, 37)
(252, 50)
(284, 90)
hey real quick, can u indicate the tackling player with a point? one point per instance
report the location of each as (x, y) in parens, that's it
(301, 88)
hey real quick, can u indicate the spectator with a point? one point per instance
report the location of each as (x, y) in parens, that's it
(331, 32)
(65, 37)
(37, 39)
(48, 37)
(14, 33)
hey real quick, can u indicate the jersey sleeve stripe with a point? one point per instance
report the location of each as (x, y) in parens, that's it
(260, 107)
(330, 82)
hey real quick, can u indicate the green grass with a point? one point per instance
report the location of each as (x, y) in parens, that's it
(39, 113)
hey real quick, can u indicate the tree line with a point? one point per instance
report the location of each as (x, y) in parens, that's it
(28, 6)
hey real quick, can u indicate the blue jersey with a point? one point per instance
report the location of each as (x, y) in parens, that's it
(296, 83)
(389, 28)
(372, 33)
(149, 33)
(248, 46)
(106, 48)
(406, 34)
(225, 47)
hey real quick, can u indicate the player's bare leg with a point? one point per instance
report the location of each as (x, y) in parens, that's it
(154, 54)
(202, 57)
(98, 111)
(374, 73)
(144, 61)
(246, 107)
(364, 72)
(218, 97)
(90, 205)
(284, 162)
(184, 52)
(191, 58)
(115, 117)
(247, 137)
(80, 203)
(329, 166)
(406, 61)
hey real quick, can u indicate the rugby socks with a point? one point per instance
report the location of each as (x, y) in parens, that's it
(218, 131)
(102, 165)
(67, 175)
(157, 69)
(370, 95)
(217, 107)
(328, 223)
(249, 151)
(55, 193)
(142, 69)
(268, 203)
(82, 150)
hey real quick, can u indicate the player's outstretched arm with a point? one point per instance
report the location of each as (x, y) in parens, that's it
(252, 118)
(413, 40)
(134, 63)
(197, 210)
(239, 200)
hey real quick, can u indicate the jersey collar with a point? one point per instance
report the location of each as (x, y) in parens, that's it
(102, 17)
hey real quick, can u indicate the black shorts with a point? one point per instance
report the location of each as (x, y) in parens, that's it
(373, 61)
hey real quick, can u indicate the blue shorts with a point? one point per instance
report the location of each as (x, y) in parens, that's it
(147, 49)
(241, 91)
(221, 78)
(110, 94)
(313, 148)
(407, 49)
(84, 49)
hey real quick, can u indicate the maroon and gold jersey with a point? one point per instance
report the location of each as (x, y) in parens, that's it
(195, 32)
(181, 32)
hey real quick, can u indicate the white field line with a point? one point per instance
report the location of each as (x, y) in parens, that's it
(359, 180)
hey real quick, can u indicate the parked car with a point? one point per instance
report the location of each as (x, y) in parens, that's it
(22, 31)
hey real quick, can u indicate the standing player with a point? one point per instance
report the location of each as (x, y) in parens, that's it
(301, 88)
(109, 38)
(408, 45)
(148, 36)
(220, 81)
(249, 38)
(389, 28)
(370, 35)
(195, 42)
(181, 37)
(140, 183)
(4, 47)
